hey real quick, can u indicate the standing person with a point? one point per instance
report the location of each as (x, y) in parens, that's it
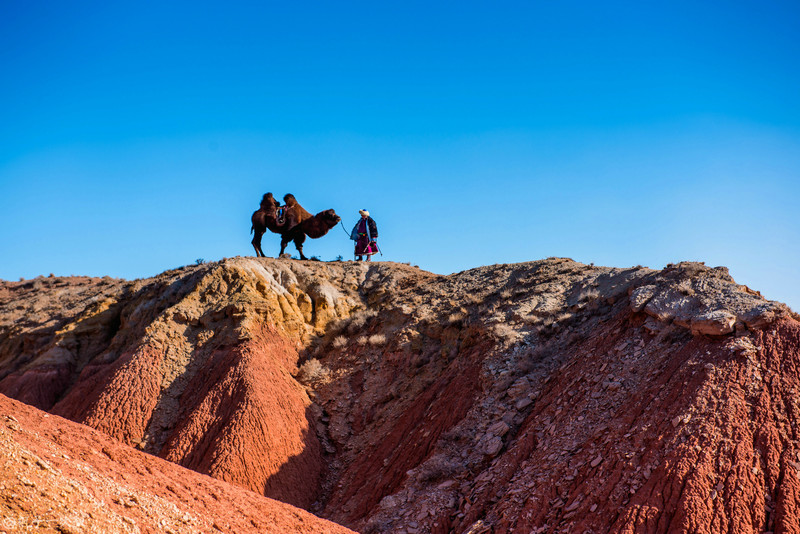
(365, 234)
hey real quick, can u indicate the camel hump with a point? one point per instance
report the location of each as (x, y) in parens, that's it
(295, 213)
(268, 201)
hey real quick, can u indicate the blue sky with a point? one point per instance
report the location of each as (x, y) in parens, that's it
(138, 137)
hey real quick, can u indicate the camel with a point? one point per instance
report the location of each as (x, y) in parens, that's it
(313, 227)
(295, 225)
(265, 218)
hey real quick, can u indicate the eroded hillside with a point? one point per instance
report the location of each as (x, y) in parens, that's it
(60, 477)
(548, 396)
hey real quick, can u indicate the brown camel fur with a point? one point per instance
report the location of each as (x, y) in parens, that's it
(266, 218)
(314, 227)
(297, 223)
(295, 213)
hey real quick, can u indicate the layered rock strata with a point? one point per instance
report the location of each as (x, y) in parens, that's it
(547, 396)
(61, 477)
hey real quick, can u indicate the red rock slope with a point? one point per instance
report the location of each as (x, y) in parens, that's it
(58, 476)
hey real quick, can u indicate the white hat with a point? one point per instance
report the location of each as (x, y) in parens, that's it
(363, 212)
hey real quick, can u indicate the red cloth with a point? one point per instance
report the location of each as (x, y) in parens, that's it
(364, 246)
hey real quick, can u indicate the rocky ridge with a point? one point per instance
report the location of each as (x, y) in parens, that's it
(547, 396)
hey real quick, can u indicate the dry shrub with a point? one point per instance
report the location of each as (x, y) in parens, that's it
(339, 342)
(588, 294)
(363, 340)
(336, 327)
(377, 340)
(563, 317)
(534, 319)
(360, 319)
(473, 299)
(506, 332)
(552, 323)
(311, 371)
(457, 317)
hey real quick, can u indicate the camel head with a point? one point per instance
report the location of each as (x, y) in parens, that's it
(329, 218)
(289, 199)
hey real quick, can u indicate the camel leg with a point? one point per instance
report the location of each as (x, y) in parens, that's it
(257, 245)
(284, 241)
(298, 242)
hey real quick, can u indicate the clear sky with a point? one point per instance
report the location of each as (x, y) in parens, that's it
(140, 136)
